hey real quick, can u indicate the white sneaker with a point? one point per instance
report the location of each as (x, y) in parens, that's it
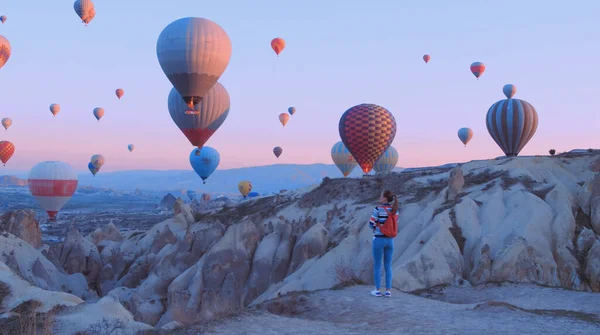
(376, 293)
(388, 294)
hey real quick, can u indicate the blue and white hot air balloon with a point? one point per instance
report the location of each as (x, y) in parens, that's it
(465, 135)
(387, 162)
(342, 158)
(191, 194)
(204, 161)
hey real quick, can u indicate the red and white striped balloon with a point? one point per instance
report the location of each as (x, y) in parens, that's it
(52, 183)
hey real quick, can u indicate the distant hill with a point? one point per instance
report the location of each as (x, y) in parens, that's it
(12, 181)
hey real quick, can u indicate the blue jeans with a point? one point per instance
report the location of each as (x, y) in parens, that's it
(383, 246)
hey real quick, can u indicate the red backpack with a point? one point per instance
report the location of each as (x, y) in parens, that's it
(390, 227)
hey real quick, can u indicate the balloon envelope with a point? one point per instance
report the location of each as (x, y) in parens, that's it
(277, 151)
(426, 58)
(211, 113)
(278, 44)
(191, 194)
(131, 147)
(52, 183)
(54, 109)
(292, 110)
(7, 149)
(387, 162)
(93, 169)
(5, 50)
(204, 161)
(119, 92)
(253, 194)
(97, 160)
(6, 122)
(244, 187)
(367, 130)
(477, 69)
(284, 118)
(509, 90)
(3, 18)
(512, 123)
(85, 10)
(98, 113)
(193, 53)
(465, 135)
(342, 158)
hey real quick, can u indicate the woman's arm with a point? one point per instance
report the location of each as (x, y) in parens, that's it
(374, 218)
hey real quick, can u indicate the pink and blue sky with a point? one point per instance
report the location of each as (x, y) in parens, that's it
(338, 54)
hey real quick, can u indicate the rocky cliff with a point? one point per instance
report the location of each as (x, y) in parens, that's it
(529, 220)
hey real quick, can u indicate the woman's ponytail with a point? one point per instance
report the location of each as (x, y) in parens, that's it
(395, 205)
(391, 198)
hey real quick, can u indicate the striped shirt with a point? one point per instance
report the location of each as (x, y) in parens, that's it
(379, 215)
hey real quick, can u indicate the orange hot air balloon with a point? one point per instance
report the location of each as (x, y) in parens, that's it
(367, 130)
(284, 118)
(119, 92)
(278, 44)
(426, 58)
(7, 149)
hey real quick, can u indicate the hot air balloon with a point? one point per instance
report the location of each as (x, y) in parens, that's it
(3, 19)
(292, 110)
(205, 197)
(4, 50)
(98, 113)
(85, 10)
(6, 122)
(465, 135)
(512, 123)
(509, 90)
(245, 187)
(54, 109)
(191, 194)
(119, 92)
(277, 44)
(52, 183)
(209, 116)
(131, 147)
(387, 162)
(7, 149)
(342, 158)
(193, 53)
(477, 69)
(284, 118)
(426, 58)
(93, 169)
(367, 130)
(97, 160)
(253, 194)
(204, 161)
(277, 151)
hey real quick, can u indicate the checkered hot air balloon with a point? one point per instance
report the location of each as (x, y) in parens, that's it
(367, 130)
(511, 123)
(7, 149)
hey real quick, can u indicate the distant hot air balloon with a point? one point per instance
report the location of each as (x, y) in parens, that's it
(278, 44)
(4, 50)
(205, 197)
(426, 58)
(54, 109)
(477, 69)
(7, 149)
(97, 160)
(253, 194)
(277, 151)
(367, 130)
(131, 147)
(465, 135)
(85, 10)
(193, 53)
(119, 92)
(52, 183)
(204, 161)
(387, 162)
(191, 194)
(292, 110)
(93, 169)
(512, 123)
(509, 90)
(284, 118)
(6, 122)
(342, 158)
(245, 187)
(3, 19)
(98, 113)
(210, 114)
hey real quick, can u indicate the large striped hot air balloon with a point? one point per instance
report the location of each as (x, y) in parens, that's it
(52, 183)
(465, 135)
(193, 53)
(7, 149)
(477, 69)
(387, 162)
(277, 151)
(85, 10)
(512, 123)
(367, 130)
(342, 158)
(204, 161)
(244, 187)
(278, 44)
(208, 115)
(5, 50)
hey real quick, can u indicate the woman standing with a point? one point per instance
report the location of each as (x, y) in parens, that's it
(384, 222)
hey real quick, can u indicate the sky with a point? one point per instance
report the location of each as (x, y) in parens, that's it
(338, 54)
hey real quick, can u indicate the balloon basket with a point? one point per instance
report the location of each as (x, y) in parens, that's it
(192, 112)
